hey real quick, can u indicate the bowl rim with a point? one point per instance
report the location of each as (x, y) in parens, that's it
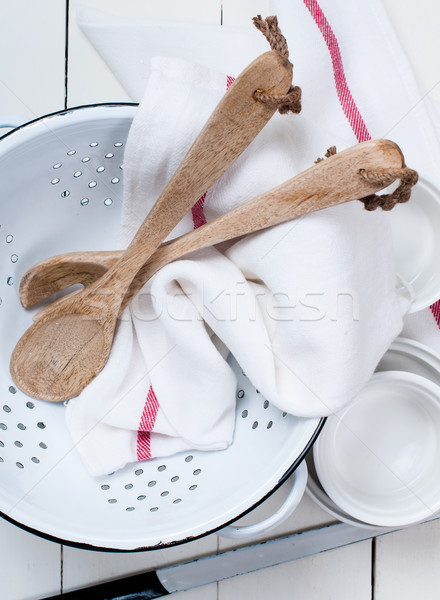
(322, 459)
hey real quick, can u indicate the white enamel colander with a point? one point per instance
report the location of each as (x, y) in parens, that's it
(61, 188)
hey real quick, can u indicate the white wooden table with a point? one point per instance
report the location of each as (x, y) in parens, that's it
(36, 36)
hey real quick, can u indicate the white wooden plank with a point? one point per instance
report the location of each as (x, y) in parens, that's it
(32, 46)
(407, 563)
(29, 565)
(240, 13)
(89, 78)
(341, 574)
(83, 568)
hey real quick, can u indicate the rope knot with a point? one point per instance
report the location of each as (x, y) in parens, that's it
(408, 178)
(291, 101)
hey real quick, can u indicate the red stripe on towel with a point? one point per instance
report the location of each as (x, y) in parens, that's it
(435, 309)
(198, 215)
(146, 425)
(197, 212)
(345, 98)
(348, 104)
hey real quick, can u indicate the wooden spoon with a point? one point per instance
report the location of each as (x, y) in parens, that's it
(56, 273)
(58, 356)
(68, 346)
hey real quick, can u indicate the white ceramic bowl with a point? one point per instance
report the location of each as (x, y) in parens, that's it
(378, 458)
(416, 243)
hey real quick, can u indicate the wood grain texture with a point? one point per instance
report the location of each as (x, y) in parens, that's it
(64, 350)
(327, 183)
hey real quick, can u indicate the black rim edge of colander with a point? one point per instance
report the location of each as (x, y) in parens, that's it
(65, 111)
(83, 546)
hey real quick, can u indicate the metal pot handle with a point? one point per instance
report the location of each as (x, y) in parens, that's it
(293, 499)
(11, 121)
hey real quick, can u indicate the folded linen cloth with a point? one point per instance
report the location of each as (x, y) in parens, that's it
(303, 310)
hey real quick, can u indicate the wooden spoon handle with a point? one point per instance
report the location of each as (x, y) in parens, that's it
(331, 182)
(230, 129)
(328, 183)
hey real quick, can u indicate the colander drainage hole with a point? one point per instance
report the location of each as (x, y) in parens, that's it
(14, 258)
(18, 444)
(12, 389)
(130, 508)
(84, 201)
(175, 478)
(92, 184)
(93, 144)
(3, 426)
(254, 424)
(112, 500)
(240, 394)
(55, 181)
(71, 152)
(189, 458)
(43, 445)
(30, 405)
(266, 404)
(20, 465)
(138, 471)
(197, 472)
(77, 174)
(108, 201)
(115, 180)
(192, 488)
(154, 509)
(177, 500)
(85, 159)
(10, 281)
(165, 493)
(117, 144)
(105, 487)
(141, 497)
(109, 155)
(35, 460)
(284, 414)
(244, 414)
(1, 460)
(269, 425)
(65, 194)
(7, 408)
(41, 425)
(21, 426)
(9, 239)
(100, 169)
(151, 483)
(2, 445)
(161, 468)
(57, 165)
(128, 486)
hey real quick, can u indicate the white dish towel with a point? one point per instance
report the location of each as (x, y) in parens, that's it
(307, 308)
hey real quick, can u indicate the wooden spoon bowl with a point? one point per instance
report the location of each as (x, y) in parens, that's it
(58, 356)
